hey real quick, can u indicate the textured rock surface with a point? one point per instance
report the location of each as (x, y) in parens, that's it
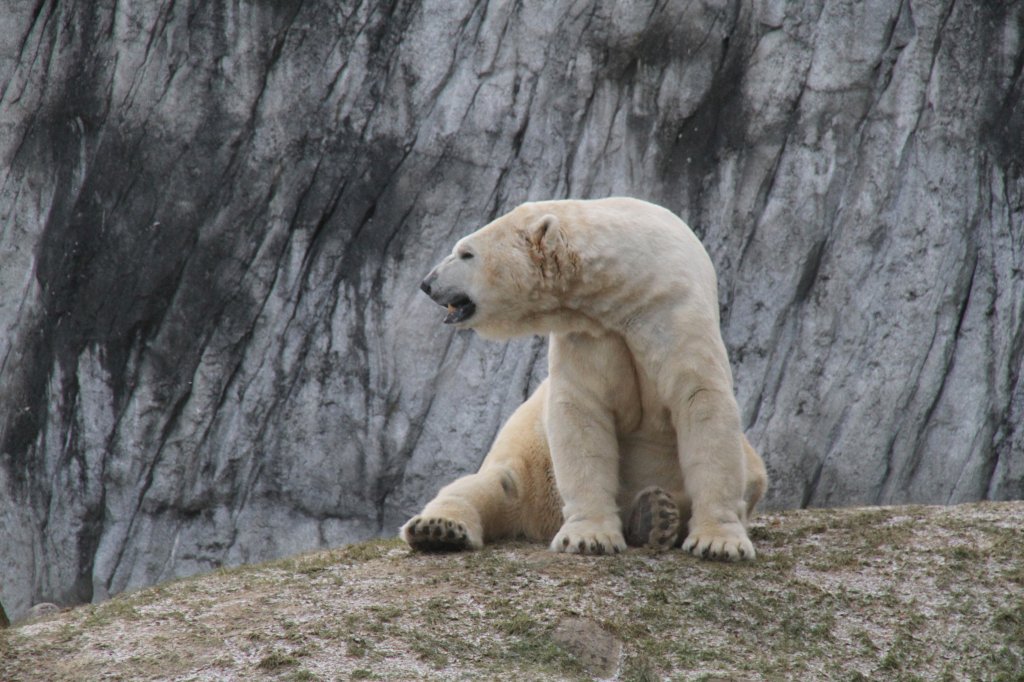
(214, 217)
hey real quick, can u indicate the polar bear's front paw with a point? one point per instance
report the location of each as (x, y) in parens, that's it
(438, 534)
(719, 541)
(590, 537)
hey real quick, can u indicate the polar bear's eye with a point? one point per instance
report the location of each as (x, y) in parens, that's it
(466, 255)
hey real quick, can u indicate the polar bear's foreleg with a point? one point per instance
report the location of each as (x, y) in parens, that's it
(584, 455)
(589, 392)
(713, 461)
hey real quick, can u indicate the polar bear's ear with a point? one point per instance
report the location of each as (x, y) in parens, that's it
(544, 234)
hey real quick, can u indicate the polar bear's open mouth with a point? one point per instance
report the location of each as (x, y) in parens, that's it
(459, 310)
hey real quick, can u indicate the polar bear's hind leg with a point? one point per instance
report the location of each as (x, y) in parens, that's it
(436, 535)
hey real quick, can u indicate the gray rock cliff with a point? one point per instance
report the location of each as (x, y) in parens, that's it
(214, 217)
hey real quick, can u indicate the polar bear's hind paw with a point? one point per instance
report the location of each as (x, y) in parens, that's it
(654, 520)
(436, 535)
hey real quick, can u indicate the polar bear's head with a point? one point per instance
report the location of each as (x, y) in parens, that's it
(507, 278)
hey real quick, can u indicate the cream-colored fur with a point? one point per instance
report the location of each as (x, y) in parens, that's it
(639, 392)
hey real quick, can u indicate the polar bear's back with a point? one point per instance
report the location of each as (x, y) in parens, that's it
(642, 251)
(631, 228)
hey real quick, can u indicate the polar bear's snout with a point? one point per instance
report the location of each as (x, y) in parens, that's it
(460, 306)
(427, 284)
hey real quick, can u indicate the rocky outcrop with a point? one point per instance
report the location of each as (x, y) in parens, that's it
(215, 217)
(884, 593)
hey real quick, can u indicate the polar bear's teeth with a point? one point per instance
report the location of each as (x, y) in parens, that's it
(451, 309)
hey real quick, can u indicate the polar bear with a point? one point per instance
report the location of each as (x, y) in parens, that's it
(634, 438)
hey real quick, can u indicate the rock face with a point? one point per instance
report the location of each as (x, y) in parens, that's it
(215, 217)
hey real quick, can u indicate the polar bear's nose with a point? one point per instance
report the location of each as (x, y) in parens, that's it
(425, 284)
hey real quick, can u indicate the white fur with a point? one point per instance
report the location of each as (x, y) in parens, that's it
(639, 390)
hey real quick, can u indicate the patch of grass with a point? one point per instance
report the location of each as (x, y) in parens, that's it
(1010, 621)
(385, 613)
(907, 655)
(429, 648)
(368, 551)
(275, 660)
(518, 625)
(1015, 573)
(357, 647)
(302, 676)
(375, 620)
(1007, 661)
(315, 563)
(903, 659)
(292, 630)
(435, 611)
(119, 609)
(638, 668)
(961, 553)
(537, 651)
